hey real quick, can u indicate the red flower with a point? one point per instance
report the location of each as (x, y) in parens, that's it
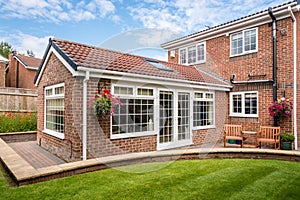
(106, 92)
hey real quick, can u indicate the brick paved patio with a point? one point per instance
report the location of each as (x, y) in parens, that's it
(35, 155)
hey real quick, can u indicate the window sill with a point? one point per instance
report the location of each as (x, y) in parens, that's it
(243, 54)
(54, 134)
(203, 127)
(244, 116)
(131, 135)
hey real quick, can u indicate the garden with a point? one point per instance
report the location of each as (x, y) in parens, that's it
(193, 179)
(18, 122)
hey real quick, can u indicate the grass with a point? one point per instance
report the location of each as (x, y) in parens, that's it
(196, 179)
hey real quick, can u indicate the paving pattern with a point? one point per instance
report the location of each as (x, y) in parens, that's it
(35, 155)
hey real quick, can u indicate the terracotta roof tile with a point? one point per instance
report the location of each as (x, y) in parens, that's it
(30, 61)
(99, 58)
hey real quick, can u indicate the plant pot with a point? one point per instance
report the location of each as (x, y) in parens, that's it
(286, 145)
(238, 142)
(231, 141)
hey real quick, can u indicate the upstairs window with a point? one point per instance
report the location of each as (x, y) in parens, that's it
(243, 42)
(193, 54)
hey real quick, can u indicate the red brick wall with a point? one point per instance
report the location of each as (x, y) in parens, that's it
(2, 74)
(69, 148)
(25, 76)
(11, 75)
(98, 133)
(297, 15)
(215, 135)
(218, 61)
(99, 142)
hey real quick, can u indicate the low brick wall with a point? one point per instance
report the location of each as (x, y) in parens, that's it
(25, 174)
(18, 136)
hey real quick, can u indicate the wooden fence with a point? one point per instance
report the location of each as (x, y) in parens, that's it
(17, 100)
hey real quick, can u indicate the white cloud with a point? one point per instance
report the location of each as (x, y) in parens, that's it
(23, 42)
(189, 16)
(57, 10)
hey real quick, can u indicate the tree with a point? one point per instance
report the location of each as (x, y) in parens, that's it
(5, 49)
(30, 53)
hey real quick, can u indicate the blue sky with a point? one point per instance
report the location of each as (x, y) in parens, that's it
(136, 26)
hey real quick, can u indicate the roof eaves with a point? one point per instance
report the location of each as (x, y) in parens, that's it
(65, 56)
(214, 76)
(42, 62)
(20, 60)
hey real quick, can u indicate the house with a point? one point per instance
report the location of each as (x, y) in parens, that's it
(259, 55)
(3, 65)
(165, 105)
(21, 71)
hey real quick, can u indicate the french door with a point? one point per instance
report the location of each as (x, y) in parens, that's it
(174, 119)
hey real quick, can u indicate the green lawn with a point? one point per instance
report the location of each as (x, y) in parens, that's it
(196, 179)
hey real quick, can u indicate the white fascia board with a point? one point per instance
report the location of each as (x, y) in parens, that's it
(258, 19)
(61, 59)
(114, 75)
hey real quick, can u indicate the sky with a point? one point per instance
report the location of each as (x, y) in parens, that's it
(136, 26)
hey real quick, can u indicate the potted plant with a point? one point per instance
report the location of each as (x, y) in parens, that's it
(104, 104)
(286, 141)
(281, 108)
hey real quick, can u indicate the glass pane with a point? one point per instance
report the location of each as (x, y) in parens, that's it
(182, 56)
(166, 117)
(191, 54)
(183, 116)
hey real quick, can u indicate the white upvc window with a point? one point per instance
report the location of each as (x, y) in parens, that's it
(135, 117)
(203, 110)
(244, 104)
(244, 42)
(54, 110)
(192, 54)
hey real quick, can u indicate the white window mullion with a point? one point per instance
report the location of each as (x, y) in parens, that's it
(175, 116)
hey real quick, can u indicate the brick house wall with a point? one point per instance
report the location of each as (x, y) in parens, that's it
(69, 148)
(218, 61)
(297, 15)
(18, 76)
(2, 74)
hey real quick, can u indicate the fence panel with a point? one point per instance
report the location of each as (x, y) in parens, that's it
(17, 100)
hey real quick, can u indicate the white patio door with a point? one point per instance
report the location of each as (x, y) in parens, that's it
(174, 119)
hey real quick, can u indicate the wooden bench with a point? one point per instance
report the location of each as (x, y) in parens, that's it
(269, 134)
(233, 132)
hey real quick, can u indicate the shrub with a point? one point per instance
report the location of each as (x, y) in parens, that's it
(18, 122)
(285, 137)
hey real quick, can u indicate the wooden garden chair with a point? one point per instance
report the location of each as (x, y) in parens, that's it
(269, 134)
(233, 132)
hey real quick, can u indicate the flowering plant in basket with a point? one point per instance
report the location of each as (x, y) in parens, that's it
(104, 104)
(282, 107)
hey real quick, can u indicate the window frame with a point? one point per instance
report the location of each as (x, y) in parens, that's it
(186, 50)
(49, 97)
(243, 42)
(134, 97)
(243, 114)
(194, 99)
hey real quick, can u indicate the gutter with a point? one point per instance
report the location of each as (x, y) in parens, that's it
(132, 76)
(84, 116)
(295, 75)
(274, 59)
(232, 81)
